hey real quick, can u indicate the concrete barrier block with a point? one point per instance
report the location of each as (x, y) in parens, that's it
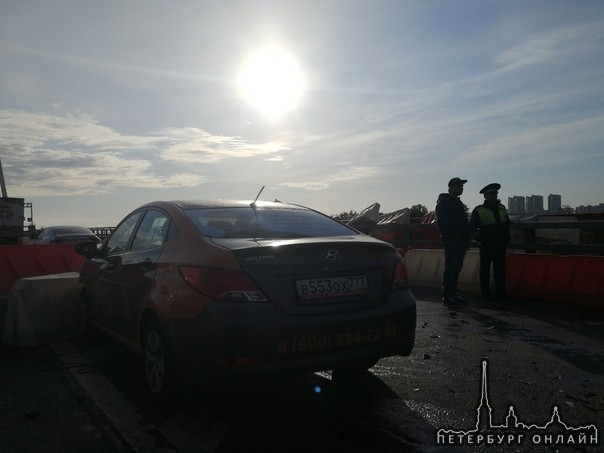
(425, 267)
(42, 310)
(412, 263)
(587, 284)
(560, 275)
(469, 280)
(588, 276)
(561, 279)
(574, 279)
(22, 261)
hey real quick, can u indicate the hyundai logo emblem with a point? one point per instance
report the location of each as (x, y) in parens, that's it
(331, 255)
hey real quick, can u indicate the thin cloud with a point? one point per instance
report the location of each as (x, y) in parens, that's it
(65, 155)
(192, 145)
(350, 174)
(31, 130)
(553, 47)
(549, 145)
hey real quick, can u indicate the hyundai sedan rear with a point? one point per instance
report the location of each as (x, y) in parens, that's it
(207, 289)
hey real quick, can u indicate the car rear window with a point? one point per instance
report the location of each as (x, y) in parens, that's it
(267, 223)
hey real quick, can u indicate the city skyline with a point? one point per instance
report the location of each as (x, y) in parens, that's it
(533, 204)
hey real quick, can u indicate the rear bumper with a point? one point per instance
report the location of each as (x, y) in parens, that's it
(257, 337)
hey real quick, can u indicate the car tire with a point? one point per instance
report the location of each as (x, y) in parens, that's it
(353, 369)
(156, 363)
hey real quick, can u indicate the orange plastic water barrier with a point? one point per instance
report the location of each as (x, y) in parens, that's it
(20, 261)
(565, 279)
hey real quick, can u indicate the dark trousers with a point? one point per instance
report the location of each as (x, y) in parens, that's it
(455, 252)
(492, 254)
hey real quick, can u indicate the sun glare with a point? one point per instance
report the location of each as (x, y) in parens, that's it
(271, 81)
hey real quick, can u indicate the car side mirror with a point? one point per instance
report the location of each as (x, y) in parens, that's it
(88, 249)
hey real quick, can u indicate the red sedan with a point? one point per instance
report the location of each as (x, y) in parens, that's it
(204, 289)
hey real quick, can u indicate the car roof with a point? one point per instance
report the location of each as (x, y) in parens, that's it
(199, 204)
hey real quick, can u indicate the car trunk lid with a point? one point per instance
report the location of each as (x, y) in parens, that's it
(318, 275)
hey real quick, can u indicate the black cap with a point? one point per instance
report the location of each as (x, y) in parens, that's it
(457, 181)
(493, 187)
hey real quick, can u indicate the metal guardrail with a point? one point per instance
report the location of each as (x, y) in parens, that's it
(591, 243)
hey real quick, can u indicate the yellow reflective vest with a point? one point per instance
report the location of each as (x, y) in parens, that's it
(487, 228)
(487, 216)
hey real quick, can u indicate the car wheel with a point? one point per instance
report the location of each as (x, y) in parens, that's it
(353, 369)
(156, 361)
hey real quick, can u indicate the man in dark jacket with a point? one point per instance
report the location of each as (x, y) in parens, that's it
(491, 228)
(454, 230)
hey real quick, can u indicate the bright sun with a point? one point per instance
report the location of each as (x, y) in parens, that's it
(271, 81)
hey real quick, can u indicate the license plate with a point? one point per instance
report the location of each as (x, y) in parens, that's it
(332, 287)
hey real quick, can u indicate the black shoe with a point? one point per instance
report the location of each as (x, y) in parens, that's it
(488, 300)
(450, 301)
(460, 299)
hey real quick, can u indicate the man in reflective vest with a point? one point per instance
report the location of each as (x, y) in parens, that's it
(490, 225)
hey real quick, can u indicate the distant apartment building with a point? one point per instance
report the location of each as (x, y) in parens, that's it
(516, 205)
(534, 204)
(554, 204)
(526, 205)
(590, 209)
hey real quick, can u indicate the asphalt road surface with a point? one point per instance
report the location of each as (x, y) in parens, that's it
(544, 360)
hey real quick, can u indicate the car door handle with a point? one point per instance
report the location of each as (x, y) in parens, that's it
(146, 263)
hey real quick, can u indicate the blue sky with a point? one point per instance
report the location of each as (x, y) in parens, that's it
(107, 105)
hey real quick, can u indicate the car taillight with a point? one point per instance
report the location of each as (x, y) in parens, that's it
(399, 279)
(222, 284)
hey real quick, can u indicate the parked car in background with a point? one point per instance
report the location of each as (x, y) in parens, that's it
(66, 233)
(209, 289)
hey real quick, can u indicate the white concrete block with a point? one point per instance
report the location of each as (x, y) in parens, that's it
(425, 269)
(42, 309)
